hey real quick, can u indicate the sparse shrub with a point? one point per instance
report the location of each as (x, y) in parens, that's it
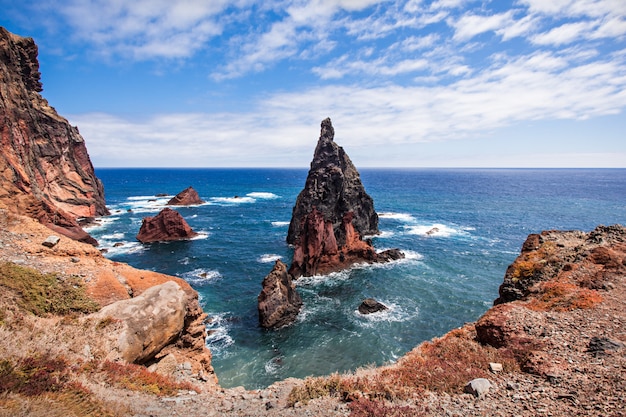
(443, 365)
(33, 376)
(43, 294)
(138, 378)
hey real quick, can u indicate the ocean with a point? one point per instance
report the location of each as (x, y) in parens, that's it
(480, 217)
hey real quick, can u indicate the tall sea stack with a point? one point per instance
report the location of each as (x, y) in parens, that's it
(332, 214)
(45, 171)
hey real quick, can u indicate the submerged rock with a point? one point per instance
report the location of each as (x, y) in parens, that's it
(278, 303)
(187, 197)
(165, 226)
(332, 214)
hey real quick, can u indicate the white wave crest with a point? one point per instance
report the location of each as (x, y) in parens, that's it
(403, 217)
(201, 276)
(218, 338)
(121, 248)
(394, 313)
(435, 230)
(232, 200)
(263, 195)
(269, 257)
(280, 224)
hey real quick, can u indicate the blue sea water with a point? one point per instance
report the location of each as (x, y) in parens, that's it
(449, 277)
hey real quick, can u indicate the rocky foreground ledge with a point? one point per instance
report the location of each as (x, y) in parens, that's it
(556, 349)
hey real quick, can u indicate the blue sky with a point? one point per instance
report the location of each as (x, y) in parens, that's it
(228, 83)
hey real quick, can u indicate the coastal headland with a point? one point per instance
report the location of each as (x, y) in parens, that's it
(82, 335)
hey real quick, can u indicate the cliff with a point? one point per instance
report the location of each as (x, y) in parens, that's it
(45, 171)
(332, 214)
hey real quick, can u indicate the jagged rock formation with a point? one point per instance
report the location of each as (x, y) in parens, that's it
(332, 214)
(165, 226)
(45, 171)
(278, 302)
(187, 197)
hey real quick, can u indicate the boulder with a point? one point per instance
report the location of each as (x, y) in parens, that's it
(332, 214)
(478, 387)
(149, 322)
(165, 226)
(279, 303)
(369, 306)
(187, 197)
(45, 170)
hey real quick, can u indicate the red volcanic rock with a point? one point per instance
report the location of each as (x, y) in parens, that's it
(278, 302)
(187, 197)
(45, 170)
(331, 215)
(167, 225)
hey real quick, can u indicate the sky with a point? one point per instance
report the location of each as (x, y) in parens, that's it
(246, 83)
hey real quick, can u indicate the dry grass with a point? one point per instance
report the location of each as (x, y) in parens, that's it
(43, 294)
(560, 295)
(138, 378)
(443, 365)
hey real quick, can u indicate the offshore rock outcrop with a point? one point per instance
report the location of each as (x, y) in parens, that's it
(279, 303)
(187, 197)
(332, 214)
(45, 170)
(165, 226)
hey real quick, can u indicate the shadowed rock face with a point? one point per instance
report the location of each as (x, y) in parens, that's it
(332, 214)
(165, 226)
(278, 302)
(45, 170)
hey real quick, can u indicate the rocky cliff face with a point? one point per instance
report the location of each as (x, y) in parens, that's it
(45, 171)
(332, 214)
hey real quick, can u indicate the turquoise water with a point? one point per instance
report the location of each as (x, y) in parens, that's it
(447, 279)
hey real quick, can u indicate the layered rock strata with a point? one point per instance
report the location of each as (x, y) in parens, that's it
(187, 197)
(278, 303)
(332, 214)
(45, 171)
(165, 226)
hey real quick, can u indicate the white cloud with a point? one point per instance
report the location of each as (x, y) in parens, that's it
(471, 25)
(144, 29)
(370, 122)
(564, 34)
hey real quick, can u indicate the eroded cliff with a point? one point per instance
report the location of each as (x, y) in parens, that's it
(45, 170)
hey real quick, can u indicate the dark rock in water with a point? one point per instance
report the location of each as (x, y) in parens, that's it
(332, 214)
(47, 172)
(279, 303)
(369, 306)
(390, 255)
(165, 226)
(187, 197)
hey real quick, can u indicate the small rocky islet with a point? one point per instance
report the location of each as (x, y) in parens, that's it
(126, 342)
